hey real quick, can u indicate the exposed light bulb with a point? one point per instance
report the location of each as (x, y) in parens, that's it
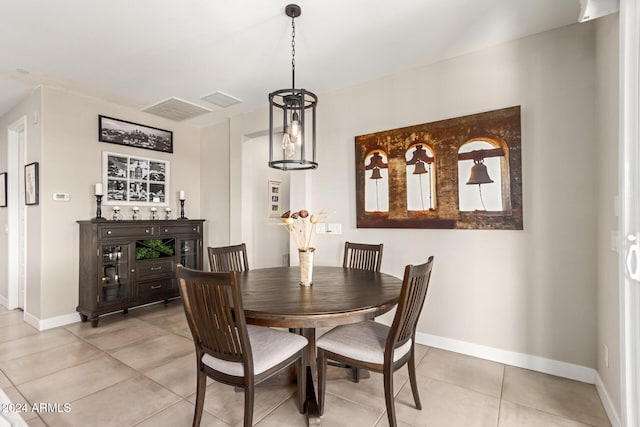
(286, 140)
(291, 151)
(295, 125)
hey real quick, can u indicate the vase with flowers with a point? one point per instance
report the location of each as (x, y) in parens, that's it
(301, 225)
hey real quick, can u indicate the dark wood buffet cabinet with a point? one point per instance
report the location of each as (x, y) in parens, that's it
(124, 264)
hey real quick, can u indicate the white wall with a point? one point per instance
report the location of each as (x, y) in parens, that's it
(608, 309)
(530, 291)
(70, 158)
(214, 182)
(267, 241)
(31, 108)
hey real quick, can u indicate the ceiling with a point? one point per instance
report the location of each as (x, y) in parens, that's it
(138, 53)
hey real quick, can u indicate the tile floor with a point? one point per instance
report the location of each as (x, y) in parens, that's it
(139, 370)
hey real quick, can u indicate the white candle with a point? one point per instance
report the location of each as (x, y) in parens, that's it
(153, 209)
(98, 190)
(167, 209)
(181, 194)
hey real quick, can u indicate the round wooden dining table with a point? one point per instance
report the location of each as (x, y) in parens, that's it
(274, 297)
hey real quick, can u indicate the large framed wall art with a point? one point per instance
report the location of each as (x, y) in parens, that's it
(116, 131)
(135, 180)
(460, 173)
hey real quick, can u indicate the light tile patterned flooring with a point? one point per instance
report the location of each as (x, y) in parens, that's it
(139, 370)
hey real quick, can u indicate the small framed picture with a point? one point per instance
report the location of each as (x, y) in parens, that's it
(31, 184)
(274, 199)
(3, 190)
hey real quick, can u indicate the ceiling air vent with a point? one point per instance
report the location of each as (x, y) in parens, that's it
(221, 99)
(176, 109)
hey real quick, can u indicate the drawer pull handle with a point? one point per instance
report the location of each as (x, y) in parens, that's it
(166, 230)
(109, 232)
(155, 268)
(156, 286)
(146, 231)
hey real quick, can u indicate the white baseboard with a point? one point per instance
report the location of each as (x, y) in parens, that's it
(609, 407)
(32, 320)
(521, 360)
(527, 361)
(51, 322)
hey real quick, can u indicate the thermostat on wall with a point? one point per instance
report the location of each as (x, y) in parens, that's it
(61, 197)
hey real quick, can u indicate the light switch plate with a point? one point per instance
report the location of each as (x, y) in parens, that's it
(334, 228)
(61, 197)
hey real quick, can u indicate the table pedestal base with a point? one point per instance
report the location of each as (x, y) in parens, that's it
(311, 405)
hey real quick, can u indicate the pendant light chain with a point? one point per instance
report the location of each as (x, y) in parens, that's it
(293, 53)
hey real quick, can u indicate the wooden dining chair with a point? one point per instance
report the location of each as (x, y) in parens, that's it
(227, 349)
(378, 347)
(228, 258)
(362, 256)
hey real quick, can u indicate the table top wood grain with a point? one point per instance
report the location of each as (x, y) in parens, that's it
(274, 297)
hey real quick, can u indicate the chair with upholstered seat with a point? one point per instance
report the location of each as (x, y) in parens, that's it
(228, 258)
(362, 256)
(227, 349)
(378, 347)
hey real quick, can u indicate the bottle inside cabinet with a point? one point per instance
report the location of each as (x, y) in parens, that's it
(115, 277)
(189, 253)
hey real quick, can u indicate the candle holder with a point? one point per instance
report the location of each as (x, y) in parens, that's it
(117, 216)
(182, 210)
(99, 209)
(154, 214)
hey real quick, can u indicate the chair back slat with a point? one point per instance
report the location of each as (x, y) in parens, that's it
(209, 300)
(362, 256)
(412, 296)
(228, 258)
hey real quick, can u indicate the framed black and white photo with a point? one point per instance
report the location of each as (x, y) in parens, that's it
(274, 199)
(116, 131)
(3, 190)
(31, 184)
(135, 180)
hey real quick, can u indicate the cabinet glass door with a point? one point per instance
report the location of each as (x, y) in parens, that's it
(115, 282)
(189, 253)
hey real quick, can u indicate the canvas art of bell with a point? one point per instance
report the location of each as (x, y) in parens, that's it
(479, 174)
(375, 174)
(419, 169)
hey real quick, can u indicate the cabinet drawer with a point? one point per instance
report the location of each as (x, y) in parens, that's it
(136, 231)
(151, 288)
(179, 229)
(154, 268)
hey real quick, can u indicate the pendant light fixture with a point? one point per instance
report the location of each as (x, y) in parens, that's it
(293, 148)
